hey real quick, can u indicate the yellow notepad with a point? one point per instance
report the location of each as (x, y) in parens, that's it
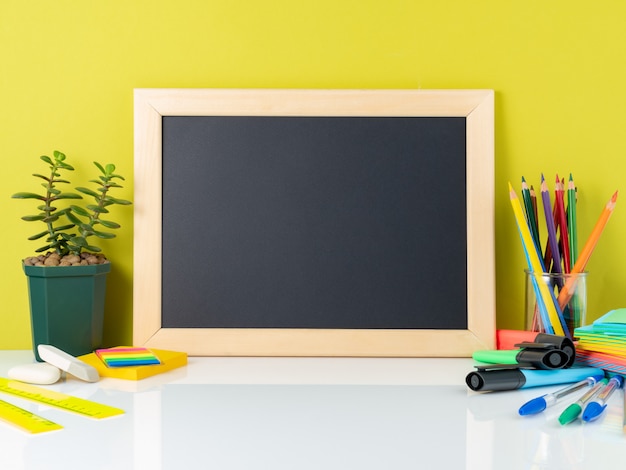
(169, 360)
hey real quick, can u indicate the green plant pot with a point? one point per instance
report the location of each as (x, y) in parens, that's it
(67, 306)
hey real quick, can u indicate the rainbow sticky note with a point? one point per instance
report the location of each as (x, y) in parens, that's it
(127, 357)
(170, 360)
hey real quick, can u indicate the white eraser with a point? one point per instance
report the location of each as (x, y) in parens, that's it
(40, 373)
(68, 363)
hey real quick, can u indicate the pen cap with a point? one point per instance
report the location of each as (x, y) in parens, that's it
(562, 342)
(495, 380)
(543, 359)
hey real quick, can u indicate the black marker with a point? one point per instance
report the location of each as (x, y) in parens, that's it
(512, 379)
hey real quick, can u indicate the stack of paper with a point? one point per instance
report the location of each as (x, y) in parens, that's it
(603, 343)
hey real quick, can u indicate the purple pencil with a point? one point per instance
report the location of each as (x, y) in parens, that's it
(552, 240)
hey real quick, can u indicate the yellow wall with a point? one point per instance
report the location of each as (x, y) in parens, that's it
(68, 69)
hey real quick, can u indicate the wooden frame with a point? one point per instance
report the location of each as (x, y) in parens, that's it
(477, 106)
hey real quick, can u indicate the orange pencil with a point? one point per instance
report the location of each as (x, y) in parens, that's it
(568, 289)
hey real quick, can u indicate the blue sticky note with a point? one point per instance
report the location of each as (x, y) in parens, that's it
(613, 322)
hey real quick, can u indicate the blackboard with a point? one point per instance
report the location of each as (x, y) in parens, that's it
(278, 224)
(314, 222)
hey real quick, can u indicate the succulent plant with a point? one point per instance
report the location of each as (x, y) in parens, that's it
(86, 220)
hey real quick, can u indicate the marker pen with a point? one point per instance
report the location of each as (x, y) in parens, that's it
(571, 412)
(509, 339)
(595, 407)
(539, 358)
(512, 379)
(537, 405)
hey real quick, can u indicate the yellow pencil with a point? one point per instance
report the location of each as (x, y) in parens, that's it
(568, 289)
(535, 263)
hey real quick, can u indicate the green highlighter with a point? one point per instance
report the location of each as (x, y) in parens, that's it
(573, 411)
(540, 358)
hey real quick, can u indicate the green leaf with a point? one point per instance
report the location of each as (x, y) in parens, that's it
(79, 241)
(58, 180)
(59, 156)
(100, 167)
(28, 196)
(93, 248)
(75, 220)
(41, 176)
(38, 236)
(97, 209)
(64, 227)
(68, 196)
(80, 211)
(46, 159)
(105, 235)
(65, 166)
(31, 218)
(109, 224)
(88, 191)
(51, 218)
(43, 248)
(67, 236)
(122, 202)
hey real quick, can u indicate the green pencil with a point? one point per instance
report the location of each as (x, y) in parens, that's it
(530, 213)
(572, 231)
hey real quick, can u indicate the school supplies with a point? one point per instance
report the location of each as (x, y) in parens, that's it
(561, 251)
(603, 343)
(484, 379)
(572, 229)
(540, 357)
(58, 400)
(66, 362)
(545, 295)
(124, 357)
(605, 335)
(568, 289)
(169, 360)
(573, 411)
(596, 406)
(25, 420)
(537, 405)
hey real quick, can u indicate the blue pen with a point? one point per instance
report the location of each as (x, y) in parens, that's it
(595, 407)
(537, 405)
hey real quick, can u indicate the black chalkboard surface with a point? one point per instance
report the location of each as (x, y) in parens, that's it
(275, 222)
(314, 222)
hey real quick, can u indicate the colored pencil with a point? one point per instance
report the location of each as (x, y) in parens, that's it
(535, 265)
(568, 289)
(552, 240)
(561, 216)
(571, 221)
(530, 212)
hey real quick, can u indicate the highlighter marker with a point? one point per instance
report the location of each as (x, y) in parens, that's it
(539, 358)
(537, 405)
(595, 407)
(571, 412)
(512, 379)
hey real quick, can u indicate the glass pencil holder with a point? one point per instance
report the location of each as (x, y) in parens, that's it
(570, 288)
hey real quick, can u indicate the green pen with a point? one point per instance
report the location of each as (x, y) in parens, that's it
(571, 412)
(538, 358)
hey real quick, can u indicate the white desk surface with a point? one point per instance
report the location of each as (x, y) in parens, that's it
(308, 413)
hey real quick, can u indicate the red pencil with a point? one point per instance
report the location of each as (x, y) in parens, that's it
(562, 223)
